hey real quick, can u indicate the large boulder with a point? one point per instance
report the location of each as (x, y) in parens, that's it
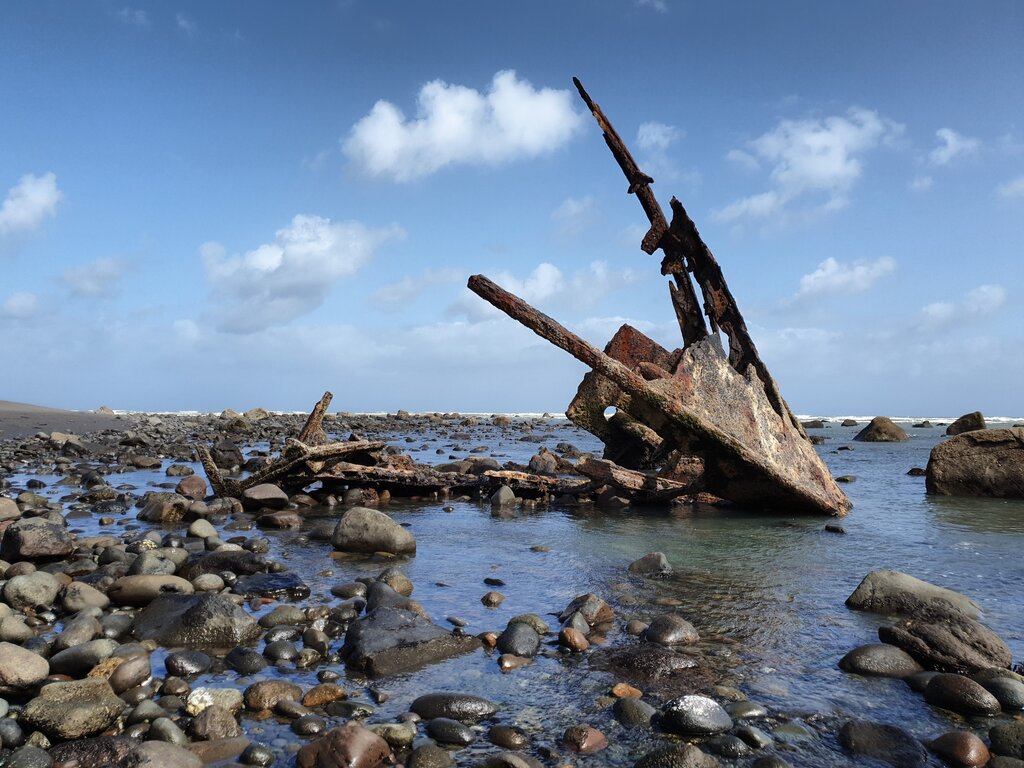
(362, 529)
(35, 538)
(204, 620)
(882, 429)
(986, 462)
(896, 593)
(966, 423)
(391, 640)
(74, 709)
(948, 643)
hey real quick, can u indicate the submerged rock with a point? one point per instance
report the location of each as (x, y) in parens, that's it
(885, 743)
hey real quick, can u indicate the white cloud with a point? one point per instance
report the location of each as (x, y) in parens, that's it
(574, 216)
(547, 286)
(101, 277)
(289, 277)
(133, 17)
(833, 277)
(810, 158)
(952, 145)
(458, 125)
(29, 202)
(20, 305)
(656, 137)
(744, 160)
(411, 287)
(921, 183)
(1014, 188)
(658, 5)
(978, 302)
(185, 25)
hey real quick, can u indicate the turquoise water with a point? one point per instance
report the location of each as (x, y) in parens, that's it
(766, 592)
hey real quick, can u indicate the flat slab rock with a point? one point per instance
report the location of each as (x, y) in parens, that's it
(279, 586)
(392, 640)
(987, 462)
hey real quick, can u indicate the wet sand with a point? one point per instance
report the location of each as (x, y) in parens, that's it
(24, 420)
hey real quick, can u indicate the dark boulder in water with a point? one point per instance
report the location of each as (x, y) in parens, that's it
(391, 640)
(279, 586)
(882, 429)
(969, 422)
(981, 463)
(886, 743)
(948, 643)
(205, 620)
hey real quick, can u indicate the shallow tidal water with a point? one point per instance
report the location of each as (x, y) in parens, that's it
(766, 592)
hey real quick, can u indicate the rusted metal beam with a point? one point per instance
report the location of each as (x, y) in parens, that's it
(312, 432)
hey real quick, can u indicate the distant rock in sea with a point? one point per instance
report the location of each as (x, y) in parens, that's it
(882, 429)
(967, 423)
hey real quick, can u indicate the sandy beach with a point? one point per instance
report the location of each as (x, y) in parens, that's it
(23, 420)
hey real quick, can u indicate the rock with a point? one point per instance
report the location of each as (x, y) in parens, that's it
(96, 752)
(164, 508)
(362, 529)
(192, 487)
(79, 659)
(199, 699)
(969, 422)
(35, 538)
(143, 589)
(209, 620)
(267, 693)
(130, 673)
(633, 712)
(9, 509)
(879, 660)
(187, 663)
(226, 455)
(886, 743)
(572, 639)
(1007, 739)
(31, 590)
(948, 643)
(882, 429)
(20, 669)
(676, 756)
(695, 715)
(508, 737)
(960, 694)
(448, 731)
(463, 707)
(543, 463)
(651, 564)
(1008, 690)
(79, 596)
(960, 748)
(671, 629)
(245, 661)
(264, 495)
(390, 640)
(240, 562)
(984, 463)
(347, 746)
(503, 497)
(74, 709)
(893, 592)
(593, 609)
(849, 423)
(648, 664)
(584, 739)
(161, 754)
(430, 756)
(519, 639)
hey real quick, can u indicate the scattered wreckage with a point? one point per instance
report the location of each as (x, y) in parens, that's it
(698, 422)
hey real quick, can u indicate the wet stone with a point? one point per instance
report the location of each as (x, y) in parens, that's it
(508, 737)
(745, 710)
(960, 694)
(187, 663)
(519, 639)
(448, 731)
(584, 739)
(887, 743)
(671, 629)
(278, 586)
(633, 712)
(430, 756)
(464, 707)
(245, 661)
(695, 715)
(676, 756)
(1007, 739)
(879, 660)
(961, 748)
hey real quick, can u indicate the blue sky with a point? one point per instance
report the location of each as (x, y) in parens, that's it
(209, 205)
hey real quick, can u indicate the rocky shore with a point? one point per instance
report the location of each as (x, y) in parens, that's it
(151, 623)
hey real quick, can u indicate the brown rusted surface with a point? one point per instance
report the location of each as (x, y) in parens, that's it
(312, 432)
(751, 455)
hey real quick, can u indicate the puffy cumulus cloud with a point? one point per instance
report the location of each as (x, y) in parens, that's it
(457, 125)
(101, 277)
(290, 277)
(820, 159)
(547, 286)
(410, 288)
(978, 302)
(20, 305)
(28, 203)
(1013, 189)
(952, 146)
(574, 215)
(832, 277)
